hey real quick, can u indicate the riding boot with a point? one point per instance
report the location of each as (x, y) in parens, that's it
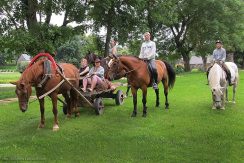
(155, 79)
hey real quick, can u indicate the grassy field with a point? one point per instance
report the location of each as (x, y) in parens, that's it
(190, 131)
(6, 77)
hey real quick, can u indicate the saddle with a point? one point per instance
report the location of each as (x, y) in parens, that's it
(48, 72)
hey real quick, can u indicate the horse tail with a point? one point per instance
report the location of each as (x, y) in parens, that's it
(171, 74)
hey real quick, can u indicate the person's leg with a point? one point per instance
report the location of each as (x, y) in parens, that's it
(94, 81)
(228, 74)
(154, 73)
(85, 82)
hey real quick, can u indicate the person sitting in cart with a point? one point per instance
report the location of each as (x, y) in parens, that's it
(95, 76)
(84, 69)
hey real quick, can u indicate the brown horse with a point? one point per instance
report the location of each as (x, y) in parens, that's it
(138, 77)
(33, 75)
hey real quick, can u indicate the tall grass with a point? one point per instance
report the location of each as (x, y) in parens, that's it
(188, 132)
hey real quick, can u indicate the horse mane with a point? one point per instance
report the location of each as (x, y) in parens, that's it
(32, 70)
(130, 56)
(215, 76)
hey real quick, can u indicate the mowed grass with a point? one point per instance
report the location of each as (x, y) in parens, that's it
(6, 77)
(190, 131)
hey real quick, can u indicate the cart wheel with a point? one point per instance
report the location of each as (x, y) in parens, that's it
(119, 99)
(65, 109)
(98, 105)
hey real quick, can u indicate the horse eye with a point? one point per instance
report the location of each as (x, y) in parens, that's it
(214, 90)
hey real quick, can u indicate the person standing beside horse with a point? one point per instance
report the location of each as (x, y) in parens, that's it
(219, 56)
(148, 53)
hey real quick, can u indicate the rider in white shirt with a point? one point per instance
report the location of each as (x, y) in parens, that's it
(148, 53)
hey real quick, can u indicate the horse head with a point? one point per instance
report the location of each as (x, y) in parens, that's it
(23, 91)
(217, 96)
(116, 69)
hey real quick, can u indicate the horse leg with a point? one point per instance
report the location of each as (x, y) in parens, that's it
(74, 99)
(134, 93)
(166, 90)
(157, 97)
(127, 91)
(226, 94)
(67, 99)
(42, 110)
(54, 97)
(234, 93)
(144, 101)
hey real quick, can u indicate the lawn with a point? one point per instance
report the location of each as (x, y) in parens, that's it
(190, 131)
(6, 77)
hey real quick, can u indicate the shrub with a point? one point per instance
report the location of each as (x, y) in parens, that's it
(21, 66)
(179, 69)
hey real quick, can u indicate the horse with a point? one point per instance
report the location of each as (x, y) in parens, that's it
(33, 75)
(137, 73)
(219, 85)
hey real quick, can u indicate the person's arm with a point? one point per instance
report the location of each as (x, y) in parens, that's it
(214, 56)
(100, 72)
(114, 51)
(224, 55)
(91, 71)
(84, 71)
(141, 52)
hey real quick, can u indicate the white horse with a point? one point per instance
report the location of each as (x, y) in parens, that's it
(218, 84)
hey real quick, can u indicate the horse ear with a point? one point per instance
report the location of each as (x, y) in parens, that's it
(14, 82)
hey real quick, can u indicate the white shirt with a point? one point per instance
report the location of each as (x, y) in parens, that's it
(148, 50)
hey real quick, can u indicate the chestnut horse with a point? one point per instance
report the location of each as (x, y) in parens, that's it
(33, 75)
(139, 78)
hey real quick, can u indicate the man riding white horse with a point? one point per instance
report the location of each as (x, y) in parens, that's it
(219, 56)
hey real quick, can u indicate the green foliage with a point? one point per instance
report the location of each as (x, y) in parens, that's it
(179, 69)
(21, 66)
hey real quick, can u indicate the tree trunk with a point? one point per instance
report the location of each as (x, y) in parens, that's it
(30, 8)
(242, 65)
(186, 59)
(48, 11)
(109, 31)
(204, 59)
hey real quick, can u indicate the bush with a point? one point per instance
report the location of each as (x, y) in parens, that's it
(21, 66)
(179, 69)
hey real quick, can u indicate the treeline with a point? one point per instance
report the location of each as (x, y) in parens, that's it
(179, 27)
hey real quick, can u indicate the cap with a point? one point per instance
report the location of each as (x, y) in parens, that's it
(218, 41)
(97, 60)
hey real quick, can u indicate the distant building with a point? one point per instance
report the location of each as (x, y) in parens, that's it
(196, 62)
(24, 57)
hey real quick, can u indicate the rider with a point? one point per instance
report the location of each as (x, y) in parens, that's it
(84, 69)
(219, 56)
(148, 53)
(113, 47)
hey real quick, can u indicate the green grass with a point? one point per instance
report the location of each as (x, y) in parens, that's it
(8, 67)
(190, 131)
(6, 77)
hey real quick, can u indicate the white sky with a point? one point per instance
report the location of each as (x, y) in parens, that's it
(58, 20)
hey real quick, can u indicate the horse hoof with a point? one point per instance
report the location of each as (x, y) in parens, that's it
(55, 128)
(144, 115)
(233, 102)
(41, 125)
(223, 108)
(77, 114)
